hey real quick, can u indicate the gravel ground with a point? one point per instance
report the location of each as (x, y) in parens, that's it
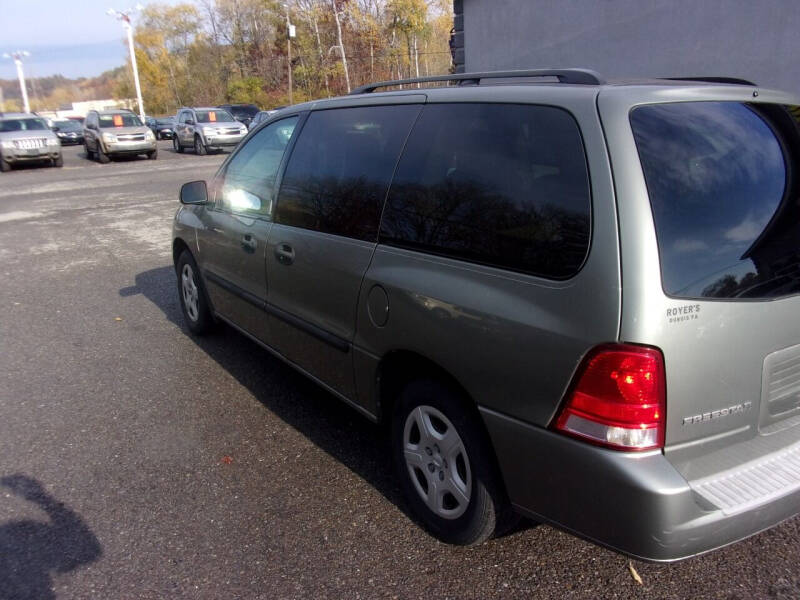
(139, 462)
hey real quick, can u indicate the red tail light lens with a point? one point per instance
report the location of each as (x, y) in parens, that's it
(618, 398)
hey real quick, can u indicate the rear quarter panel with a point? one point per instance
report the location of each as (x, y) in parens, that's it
(511, 340)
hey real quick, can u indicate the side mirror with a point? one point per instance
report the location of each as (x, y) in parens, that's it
(56, 128)
(194, 192)
(190, 121)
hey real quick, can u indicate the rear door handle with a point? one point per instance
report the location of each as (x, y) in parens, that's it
(249, 243)
(284, 253)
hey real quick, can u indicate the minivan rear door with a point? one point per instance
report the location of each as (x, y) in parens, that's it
(709, 209)
(326, 231)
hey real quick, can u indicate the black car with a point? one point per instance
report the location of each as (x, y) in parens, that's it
(243, 113)
(68, 131)
(164, 128)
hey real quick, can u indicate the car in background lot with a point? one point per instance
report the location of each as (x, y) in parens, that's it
(109, 133)
(26, 138)
(260, 117)
(570, 299)
(164, 128)
(68, 131)
(243, 113)
(206, 128)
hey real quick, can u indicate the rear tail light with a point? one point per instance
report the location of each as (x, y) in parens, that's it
(617, 398)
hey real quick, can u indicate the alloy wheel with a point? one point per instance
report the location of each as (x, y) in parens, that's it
(437, 462)
(191, 296)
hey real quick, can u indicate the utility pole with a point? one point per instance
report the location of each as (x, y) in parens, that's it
(290, 32)
(17, 56)
(125, 17)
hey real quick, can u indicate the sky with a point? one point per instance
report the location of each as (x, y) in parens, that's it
(74, 38)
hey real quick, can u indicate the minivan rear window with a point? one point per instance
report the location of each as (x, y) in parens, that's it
(722, 182)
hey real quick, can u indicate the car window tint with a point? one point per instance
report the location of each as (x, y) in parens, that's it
(504, 185)
(340, 169)
(727, 215)
(22, 125)
(249, 179)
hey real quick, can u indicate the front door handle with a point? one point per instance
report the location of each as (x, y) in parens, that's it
(249, 243)
(284, 253)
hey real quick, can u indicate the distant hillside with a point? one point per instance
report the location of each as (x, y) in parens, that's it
(49, 93)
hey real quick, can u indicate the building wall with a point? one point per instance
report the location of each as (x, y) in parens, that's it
(755, 40)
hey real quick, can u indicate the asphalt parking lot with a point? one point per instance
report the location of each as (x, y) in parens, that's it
(139, 462)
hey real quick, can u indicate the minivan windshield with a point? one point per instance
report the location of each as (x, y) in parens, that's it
(724, 195)
(22, 125)
(119, 120)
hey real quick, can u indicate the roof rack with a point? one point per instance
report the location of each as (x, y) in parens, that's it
(574, 76)
(733, 80)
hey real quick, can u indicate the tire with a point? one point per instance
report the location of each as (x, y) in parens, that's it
(102, 157)
(438, 445)
(199, 147)
(59, 162)
(5, 167)
(89, 155)
(177, 145)
(152, 155)
(194, 302)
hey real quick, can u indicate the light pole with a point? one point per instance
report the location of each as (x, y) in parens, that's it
(17, 56)
(290, 33)
(125, 17)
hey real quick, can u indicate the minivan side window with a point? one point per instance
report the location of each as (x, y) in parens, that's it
(340, 168)
(249, 180)
(500, 184)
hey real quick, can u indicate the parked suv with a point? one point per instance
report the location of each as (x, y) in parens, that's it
(570, 300)
(206, 129)
(109, 133)
(25, 137)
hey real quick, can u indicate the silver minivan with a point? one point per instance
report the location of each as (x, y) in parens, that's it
(571, 299)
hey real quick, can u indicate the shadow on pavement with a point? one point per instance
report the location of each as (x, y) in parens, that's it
(334, 427)
(326, 421)
(30, 550)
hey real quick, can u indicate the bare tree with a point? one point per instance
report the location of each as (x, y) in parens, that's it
(340, 43)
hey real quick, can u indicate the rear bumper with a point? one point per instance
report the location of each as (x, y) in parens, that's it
(635, 503)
